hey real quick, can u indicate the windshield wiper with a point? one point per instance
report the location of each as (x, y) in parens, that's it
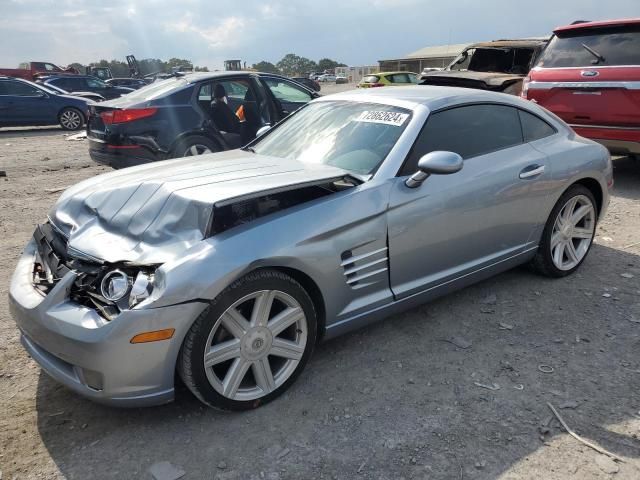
(593, 52)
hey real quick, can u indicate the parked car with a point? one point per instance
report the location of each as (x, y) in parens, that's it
(230, 267)
(85, 83)
(307, 82)
(178, 117)
(24, 103)
(341, 79)
(36, 70)
(426, 70)
(134, 83)
(327, 77)
(589, 75)
(388, 79)
(500, 66)
(94, 97)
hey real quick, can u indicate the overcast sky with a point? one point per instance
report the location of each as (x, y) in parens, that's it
(355, 32)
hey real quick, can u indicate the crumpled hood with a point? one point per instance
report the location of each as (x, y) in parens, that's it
(491, 79)
(154, 212)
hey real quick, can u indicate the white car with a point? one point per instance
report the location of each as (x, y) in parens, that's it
(327, 77)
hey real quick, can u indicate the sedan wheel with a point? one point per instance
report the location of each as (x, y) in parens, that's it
(256, 345)
(71, 119)
(568, 234)
(196, 149)
(572, 232)
(250, 351)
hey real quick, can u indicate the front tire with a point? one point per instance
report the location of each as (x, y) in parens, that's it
(250, 344)
(71, 119)
(568, 234)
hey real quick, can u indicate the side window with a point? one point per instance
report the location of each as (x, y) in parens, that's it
(17, 89)
(236, 89)
(50, 67)
(64, 83)
(94, 83)
(287, 92)
(205, 94)
(468, 131)
(534, 128)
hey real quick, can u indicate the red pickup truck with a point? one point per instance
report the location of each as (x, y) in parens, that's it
(35, 70)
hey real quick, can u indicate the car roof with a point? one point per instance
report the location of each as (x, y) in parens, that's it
(200, 76)
(600, 24)
(431, 96)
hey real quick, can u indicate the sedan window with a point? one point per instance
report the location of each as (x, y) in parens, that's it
(18, 89)
(287, 92)
(468, 131)
(353, 136)
(95, 83)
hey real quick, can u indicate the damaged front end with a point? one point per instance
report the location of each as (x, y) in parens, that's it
(107, 288)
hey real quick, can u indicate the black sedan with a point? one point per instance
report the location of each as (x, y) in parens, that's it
(24, 103)
(86, 83)
(190, 115)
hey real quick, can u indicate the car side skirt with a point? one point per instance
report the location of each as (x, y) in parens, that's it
(380, 313)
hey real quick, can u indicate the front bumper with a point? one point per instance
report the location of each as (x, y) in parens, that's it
(93, 356)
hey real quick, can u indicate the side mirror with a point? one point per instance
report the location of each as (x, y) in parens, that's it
(435, 163)
(262, 130)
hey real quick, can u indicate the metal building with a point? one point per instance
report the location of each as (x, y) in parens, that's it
(432, 57)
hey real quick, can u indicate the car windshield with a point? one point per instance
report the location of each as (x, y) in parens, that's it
(158, 89)
(353, 136)
(613, 46)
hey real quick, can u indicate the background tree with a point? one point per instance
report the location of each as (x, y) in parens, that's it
(292, 64)
(266, 67)
(328, 64)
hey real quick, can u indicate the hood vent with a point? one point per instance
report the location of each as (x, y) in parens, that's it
(365, 268)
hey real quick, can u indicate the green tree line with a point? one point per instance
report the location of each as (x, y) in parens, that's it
(292, 64)
(147, 65)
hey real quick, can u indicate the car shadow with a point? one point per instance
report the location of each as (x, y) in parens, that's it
(452, 389)
(11, 132)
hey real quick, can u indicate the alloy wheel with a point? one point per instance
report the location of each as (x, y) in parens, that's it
(572, 232)
(70, 119)
(255, 345)
(197, 149)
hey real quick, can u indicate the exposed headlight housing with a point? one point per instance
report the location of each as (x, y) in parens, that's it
(141, 288)
(115, 285)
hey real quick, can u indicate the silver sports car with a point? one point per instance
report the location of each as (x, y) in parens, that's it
(229, 268)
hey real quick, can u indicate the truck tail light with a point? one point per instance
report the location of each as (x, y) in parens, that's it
(123, 116)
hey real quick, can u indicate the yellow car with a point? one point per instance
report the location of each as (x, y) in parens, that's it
(387, 79)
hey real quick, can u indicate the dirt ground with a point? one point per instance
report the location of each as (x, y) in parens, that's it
(397, 400)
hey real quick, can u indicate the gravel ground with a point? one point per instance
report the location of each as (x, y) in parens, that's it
(399, 399)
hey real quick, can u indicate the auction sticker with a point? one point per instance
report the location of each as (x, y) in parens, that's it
(388, 118)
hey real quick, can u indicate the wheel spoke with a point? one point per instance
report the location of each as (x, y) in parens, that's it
(580, 214)
(263, 375)
(286, 349)
(567, 211)
(582, 233)
(571, 252)
(285, 319)
(235, 323)
(234, 376)
(558, 254)
(262, 308)
(193, 150)
(556, 238)
(222, 352)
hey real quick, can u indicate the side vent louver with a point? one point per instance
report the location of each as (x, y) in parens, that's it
(365, 269)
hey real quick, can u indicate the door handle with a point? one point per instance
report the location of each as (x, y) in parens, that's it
(532, 171)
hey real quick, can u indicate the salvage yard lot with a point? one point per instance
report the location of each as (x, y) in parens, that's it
(406, 398)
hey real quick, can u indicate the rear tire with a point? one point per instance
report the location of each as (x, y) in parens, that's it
(568, 233)
(71, 119)
(251, 343)
(194, 145)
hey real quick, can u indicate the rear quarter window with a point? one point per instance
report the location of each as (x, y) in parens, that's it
(618, 46)
(533, 127)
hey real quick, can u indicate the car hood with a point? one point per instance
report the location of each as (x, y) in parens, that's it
(490, 79)
(152, 213)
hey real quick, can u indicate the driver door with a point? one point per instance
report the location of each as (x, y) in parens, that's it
(288, 95)
(454, 225)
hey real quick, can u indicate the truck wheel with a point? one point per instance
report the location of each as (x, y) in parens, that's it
(71, 119)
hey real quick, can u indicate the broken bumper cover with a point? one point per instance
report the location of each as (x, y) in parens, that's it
(93, 356)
